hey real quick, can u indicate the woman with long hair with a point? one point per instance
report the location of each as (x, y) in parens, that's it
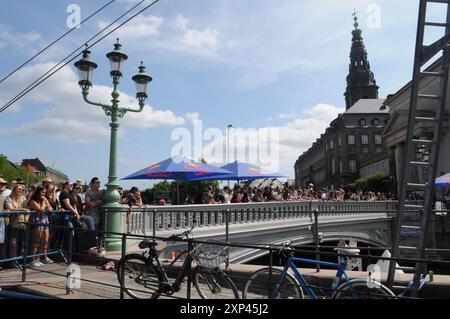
(17, 202)
(40, 204)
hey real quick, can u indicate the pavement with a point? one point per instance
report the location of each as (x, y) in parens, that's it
(50, 281)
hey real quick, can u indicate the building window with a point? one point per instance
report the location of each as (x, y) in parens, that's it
(351, 140)
(365, 150)
(339, 141)
(340, 167)
(362, 122)
(379, 150)
(352, 164)
(333, 167)
(376, 122)
(331, 145)
(378, 140)
(365, 139)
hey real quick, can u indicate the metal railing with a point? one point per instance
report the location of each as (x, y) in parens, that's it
(148, 220)
(166, 218)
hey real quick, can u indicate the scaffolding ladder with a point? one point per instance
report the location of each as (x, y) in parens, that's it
(423, 54)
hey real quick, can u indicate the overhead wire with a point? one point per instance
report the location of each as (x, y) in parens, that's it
(55, 41)
(49, 73)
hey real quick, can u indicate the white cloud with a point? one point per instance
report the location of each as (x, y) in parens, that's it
(67, 130)
(65, 116)
(286, 116)
(18, 39)
(140, 27)
(325, 112)
(192, 117)
(194, 41)
(292, 139)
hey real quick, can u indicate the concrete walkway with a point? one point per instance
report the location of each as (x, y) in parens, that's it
(97, 283)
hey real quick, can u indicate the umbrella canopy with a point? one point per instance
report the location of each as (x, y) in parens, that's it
(242, 171)
(443, 181)
(178, 168)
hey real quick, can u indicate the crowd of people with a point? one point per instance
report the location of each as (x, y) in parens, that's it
(46, 204)
(247, 194)
(74, 204)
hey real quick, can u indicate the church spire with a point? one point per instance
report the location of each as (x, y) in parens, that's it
(361, 82)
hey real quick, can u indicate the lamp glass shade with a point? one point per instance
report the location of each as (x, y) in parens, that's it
(141, 85)
(85, 69)
(85, 72)
(141, 80)
(116, 60)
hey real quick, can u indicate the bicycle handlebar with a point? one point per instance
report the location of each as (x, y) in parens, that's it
(180, 236)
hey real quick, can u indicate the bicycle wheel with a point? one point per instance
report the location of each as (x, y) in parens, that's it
(257, 287)
(141, 278)
(214, 284)
(363, 290)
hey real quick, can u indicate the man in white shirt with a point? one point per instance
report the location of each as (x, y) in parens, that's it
(226, 194)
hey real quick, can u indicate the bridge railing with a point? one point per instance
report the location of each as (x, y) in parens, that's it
(148, 219)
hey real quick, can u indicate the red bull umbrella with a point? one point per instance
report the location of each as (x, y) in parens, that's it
(178, 168)
(443, 181)
(242, 171)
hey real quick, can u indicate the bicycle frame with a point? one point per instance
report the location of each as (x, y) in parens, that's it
(174, 285)
(337, 281)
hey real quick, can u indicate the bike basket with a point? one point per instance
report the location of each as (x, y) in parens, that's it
(210, 255)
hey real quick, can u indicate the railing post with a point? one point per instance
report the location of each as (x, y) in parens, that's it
(25, 252)
(270, 271)
(69, 259)
(122, 275)
(154, 223)
(316, 237)
(227, 225)
(189, 273)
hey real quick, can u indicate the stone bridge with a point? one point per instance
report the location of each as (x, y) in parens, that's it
(273, 222)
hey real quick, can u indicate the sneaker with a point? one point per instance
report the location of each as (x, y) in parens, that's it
(36, 264)
(47, 261)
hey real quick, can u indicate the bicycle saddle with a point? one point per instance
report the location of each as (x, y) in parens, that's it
(147, 243)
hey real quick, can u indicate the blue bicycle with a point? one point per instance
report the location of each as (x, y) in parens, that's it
(281, 284)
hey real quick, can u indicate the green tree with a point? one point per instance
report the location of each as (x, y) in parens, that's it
(10, 173)
(378, 182)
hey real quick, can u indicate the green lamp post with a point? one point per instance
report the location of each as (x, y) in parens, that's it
(86, 68)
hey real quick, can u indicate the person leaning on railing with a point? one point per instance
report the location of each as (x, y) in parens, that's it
(39, 203)
(68, 202)
(16, 202)
(3, 184)
(94, 201)
(79, 205)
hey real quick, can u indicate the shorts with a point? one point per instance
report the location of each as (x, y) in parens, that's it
(42, 220)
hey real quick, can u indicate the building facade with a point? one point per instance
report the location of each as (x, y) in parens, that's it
(39, 169)
(395, 132)
(353, 142)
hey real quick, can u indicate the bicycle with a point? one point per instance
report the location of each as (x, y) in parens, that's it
(145, 278)
(284, 285)
(344, 292)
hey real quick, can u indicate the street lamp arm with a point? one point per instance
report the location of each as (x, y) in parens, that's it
(141, 107)
(105, 107)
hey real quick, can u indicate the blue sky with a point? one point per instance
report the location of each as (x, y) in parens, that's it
(256, 64)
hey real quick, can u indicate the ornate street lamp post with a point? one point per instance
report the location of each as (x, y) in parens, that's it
(85, 68)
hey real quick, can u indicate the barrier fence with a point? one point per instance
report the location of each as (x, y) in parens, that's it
(146, 223)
